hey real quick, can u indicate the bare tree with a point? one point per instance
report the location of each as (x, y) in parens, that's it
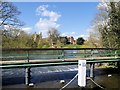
(53, 35)
(9, 14)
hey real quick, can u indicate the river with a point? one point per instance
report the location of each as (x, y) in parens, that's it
(49, 77)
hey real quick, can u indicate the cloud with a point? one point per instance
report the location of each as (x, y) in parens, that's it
(43, 11)
(85, 36)
(44, 24)
(73, 33)
(68, 33)
(49, 19)
(27, 29)
(82, 35)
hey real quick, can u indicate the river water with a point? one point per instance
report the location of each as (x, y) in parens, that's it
(49, 77)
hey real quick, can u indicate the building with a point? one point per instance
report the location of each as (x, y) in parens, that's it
(71, 40)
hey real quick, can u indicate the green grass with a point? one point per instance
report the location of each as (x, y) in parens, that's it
(74, 46)
(71, 46)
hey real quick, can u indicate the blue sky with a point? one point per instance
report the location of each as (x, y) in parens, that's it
(71, 19)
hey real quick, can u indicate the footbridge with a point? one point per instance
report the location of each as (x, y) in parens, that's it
(35, 57)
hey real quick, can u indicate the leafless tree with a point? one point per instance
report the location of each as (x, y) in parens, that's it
(53, 35)
(9, 14)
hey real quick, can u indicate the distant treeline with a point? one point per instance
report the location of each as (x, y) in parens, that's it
(16, 38)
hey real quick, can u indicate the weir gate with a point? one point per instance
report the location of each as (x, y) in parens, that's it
(34, 57)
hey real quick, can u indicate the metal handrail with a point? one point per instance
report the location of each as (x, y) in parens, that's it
(30, 54)
(27, 49)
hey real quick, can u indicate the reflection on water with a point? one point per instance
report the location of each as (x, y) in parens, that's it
(52, 75)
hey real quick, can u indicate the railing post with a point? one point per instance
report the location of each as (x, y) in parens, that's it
(91, 54)
(92, 66)
(115, 53)
(118, 63)
(63, 54)
(85, 54)
(27, 72)
(28, 56)
(27, 76)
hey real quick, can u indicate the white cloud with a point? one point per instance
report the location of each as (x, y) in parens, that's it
(82, 35)
(27, 29)
(44, 24)
(68, 34)
(85, 36)
(41, 8)
(73, 33)
(65, 34)
(43, 11)
(49, 21)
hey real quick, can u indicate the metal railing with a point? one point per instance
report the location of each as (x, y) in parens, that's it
(24, 57)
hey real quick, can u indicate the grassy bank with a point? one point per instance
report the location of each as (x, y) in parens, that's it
(74, 46)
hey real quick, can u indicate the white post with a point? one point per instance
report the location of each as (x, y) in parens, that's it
(82, 73)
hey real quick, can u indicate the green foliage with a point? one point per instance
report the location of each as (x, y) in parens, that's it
(107, 26)
(80, 41)
(71, 46)
(63, 40)
(111, 35)
(114, 15)
(37, 41)
(46, 43)
(15, 38)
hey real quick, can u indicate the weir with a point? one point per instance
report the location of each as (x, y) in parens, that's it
(29, 57)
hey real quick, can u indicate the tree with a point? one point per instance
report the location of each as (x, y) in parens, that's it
(107, 25)
(9, 14)
(64, 40)
(53, 35)
(15, 38)
(114, 29)
(12, 35)
(80, 41)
